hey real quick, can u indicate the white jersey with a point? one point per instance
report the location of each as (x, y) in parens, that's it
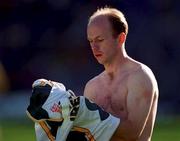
(91, 122)
(83, 120)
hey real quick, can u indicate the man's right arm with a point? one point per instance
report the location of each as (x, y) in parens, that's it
(89, 91)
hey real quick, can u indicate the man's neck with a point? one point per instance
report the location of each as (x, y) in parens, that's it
(116, 66)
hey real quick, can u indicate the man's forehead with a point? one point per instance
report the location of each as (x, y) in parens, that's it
(95, 31)
(98, 25)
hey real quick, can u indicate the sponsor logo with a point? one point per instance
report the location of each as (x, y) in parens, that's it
(55, 108)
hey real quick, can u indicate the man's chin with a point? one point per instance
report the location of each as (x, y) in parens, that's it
(100, 61)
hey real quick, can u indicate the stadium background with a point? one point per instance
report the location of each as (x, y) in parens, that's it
(47, 39)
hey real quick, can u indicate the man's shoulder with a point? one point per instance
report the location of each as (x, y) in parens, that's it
(141, 71)
(146, 73)
(138, 69)
(92, 85)
(95, 80)
(143, 76)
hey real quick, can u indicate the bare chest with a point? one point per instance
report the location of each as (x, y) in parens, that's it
(112, 98)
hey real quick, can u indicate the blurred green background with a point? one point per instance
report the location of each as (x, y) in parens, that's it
(47, 39)
(166, 129)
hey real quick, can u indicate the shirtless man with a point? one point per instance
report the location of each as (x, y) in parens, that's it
(126, 88)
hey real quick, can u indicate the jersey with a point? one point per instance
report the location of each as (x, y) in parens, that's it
(78, 117)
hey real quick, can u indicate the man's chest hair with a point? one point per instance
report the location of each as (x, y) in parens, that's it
(112, 98)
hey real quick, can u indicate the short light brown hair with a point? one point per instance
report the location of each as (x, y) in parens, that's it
(116, 19)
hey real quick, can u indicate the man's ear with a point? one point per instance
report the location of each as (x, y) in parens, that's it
(122, 38)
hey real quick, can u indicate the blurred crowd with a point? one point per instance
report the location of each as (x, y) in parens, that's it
(47, 39)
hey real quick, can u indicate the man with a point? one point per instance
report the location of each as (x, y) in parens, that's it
(126, 88)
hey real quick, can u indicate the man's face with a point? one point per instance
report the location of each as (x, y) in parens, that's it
(104, 46)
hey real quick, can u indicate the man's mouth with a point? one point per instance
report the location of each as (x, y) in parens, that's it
(98, 55)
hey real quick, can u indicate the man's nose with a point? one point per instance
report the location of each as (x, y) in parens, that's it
(94, 46)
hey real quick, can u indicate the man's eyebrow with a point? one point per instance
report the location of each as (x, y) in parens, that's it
(98, 36)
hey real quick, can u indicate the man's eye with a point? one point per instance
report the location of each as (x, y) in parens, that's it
(90, 41)
(100, 40)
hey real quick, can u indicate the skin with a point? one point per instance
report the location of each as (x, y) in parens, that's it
(126, 88)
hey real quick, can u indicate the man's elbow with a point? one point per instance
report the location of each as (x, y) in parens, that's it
(134, 136)
(131, 133)
(129, 137)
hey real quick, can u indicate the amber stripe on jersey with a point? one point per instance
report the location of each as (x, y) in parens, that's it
(47, 130)
(84, 130)
(87, 133)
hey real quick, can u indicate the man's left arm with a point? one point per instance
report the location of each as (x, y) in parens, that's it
(139, 102)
